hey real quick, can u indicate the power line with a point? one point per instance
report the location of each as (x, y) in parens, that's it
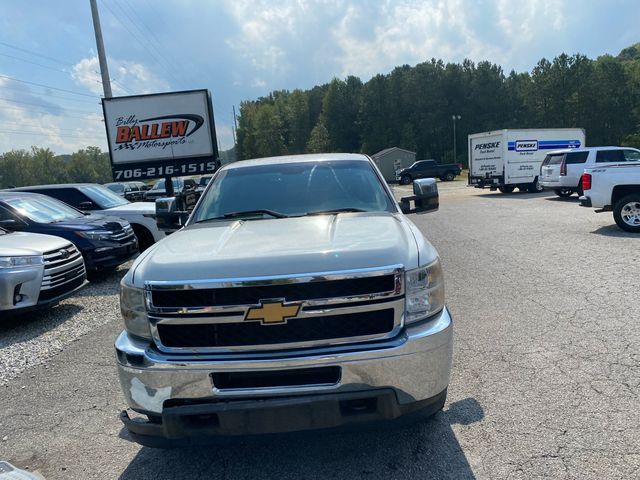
(122, 86)
(19, 125)
(137, 38)
(48, 86)
(22, 109)
(34, 63)
(18, 132)
(42, 105)
(34, 53)
(49, 94)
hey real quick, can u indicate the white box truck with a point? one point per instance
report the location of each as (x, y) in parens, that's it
(506, 159)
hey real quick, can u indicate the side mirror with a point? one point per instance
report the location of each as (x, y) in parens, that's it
(425, 197)
(168, 217)
(86, 206)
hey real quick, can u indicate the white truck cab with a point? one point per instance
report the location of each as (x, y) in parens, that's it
(297, 296)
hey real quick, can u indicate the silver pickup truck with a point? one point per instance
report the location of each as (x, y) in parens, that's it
(298, 296)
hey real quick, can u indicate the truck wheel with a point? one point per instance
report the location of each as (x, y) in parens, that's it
(563, 192)
(507, 189)
(144, 236)
(405, 179)
(449, 176)
(626, 213)
(535, 187)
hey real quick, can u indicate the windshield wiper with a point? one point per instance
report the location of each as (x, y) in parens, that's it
(334, 210)
(246, 213)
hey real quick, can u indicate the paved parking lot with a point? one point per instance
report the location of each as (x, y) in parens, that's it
(545, 381)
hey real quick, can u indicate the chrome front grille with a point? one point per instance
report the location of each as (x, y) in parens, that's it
(125, 234)
(333, 308)
(62, 266)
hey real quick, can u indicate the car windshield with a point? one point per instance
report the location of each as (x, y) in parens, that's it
(115, 187)
(43, 209)
(294, 189)
(160, 184)
(103, 197)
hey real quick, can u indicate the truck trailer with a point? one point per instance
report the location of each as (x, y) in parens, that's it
(506, 159)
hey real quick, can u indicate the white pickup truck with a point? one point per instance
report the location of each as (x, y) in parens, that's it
(614, 188)
(297, 296)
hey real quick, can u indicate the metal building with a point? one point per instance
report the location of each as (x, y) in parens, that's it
(393, 159)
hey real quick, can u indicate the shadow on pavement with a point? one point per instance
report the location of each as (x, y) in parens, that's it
(21, 327)
(514, 195)
(614, 231)
(424, 449)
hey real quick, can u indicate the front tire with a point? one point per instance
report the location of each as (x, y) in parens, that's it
(626, 213)
(449, 177)
(563, 192)
(144, 236)
(405, 179)
(507, 189)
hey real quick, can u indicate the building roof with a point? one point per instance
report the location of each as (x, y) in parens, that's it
(387, 150)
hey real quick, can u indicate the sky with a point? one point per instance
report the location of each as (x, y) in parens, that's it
(242, 49)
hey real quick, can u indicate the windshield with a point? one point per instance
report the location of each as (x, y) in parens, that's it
(42, 209)
(160, 184)
(293, 189)
(103, 197)
(115, 187)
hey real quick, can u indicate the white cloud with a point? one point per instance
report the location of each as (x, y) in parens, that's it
(127, 77)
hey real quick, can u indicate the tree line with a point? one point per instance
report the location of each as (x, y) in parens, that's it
(40, 166)
(411, 107)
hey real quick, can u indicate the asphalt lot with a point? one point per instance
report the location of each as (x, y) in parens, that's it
(545, 381)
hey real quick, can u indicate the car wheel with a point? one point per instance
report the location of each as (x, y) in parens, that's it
(507, 189)
(405, 179)
(626, 213)
(449, 176)
(563, 192)
(535, 187)
(144, 236)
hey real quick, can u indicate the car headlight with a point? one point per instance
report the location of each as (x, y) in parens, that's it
(95, 234)
(134, 312)
(424, 292)
(22, 261)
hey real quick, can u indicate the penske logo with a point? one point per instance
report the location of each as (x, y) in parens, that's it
(273, 312)
(156, 131)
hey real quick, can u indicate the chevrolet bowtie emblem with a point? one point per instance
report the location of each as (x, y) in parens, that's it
(272, 312)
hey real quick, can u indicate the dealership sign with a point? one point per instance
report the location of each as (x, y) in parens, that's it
(160, 135)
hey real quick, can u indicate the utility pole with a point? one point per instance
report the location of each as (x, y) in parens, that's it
(102, 58)
(235, 124)
(455, 146)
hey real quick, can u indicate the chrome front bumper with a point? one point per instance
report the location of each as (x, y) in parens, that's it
(416, 365)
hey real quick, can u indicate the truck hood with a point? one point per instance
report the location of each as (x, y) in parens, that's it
(20, 243)
(286, 246)
(135, 208)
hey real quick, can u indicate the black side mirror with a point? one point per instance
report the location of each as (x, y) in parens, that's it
(86, 206)
(168, 217)
(425, 197)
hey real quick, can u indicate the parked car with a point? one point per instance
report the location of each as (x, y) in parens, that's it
(561, 170)
(204, 181)
(37, 271)
(428, 169)
(614, 188)
(180, 186)
(132, 191)
(90, 197)
(105, 242)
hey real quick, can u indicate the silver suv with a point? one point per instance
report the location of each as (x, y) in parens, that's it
(561, 169)
(37, 270)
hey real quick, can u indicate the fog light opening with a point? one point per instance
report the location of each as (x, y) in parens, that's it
(358, 406)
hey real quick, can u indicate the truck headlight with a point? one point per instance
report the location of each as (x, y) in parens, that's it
(424, 288)
(95, 234)
(22, 261)
(134, 312)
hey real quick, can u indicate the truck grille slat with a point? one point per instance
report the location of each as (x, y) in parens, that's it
(295, 330)
(292, 292)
